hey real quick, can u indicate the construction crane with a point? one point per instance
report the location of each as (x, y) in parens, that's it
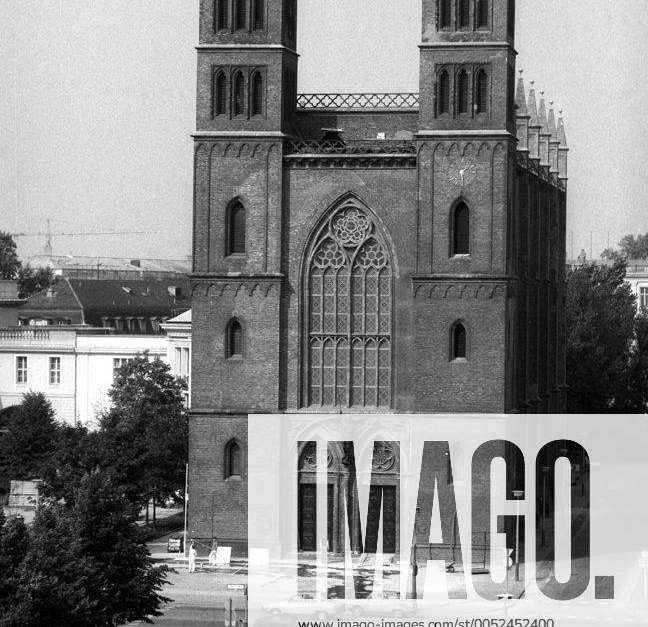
(48, 235)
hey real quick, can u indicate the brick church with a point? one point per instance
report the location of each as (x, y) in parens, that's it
(379, 252)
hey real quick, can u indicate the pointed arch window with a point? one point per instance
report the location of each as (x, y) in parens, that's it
(220, 93)
(444, 13)
(222, 14)
(444, 92)
(482, 13)
(462, 92)
(259, 14)
(233, 459)
(349, 299)
(463, 13)
(481, 91)
(257, 94)
(239, 93)
(458, 342)
(236, 229)
(461, 230)
(234, 339)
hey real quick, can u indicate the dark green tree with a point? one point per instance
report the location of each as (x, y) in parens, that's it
(29, 440)
(634, 247)
(32, 280)
(144, 433)
(85, 564)
(77, 452)
(14, 541)
(9, 262)
(600, 332)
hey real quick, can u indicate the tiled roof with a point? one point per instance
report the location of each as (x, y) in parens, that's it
(110, 298)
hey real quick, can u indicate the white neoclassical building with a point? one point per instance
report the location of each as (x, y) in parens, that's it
(74, 366)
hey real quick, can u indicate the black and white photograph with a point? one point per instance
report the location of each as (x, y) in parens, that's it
(323, 313)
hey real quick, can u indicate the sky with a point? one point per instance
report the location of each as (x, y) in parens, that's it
(97, 107)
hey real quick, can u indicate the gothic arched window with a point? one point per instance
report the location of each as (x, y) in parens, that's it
(349, 320)
(233, 459)
(220, 94)
(462, 92)
(444, 92)
(239, 93)
(240, 14)
(235, 225)
(256, 107)
(222, 14)
(482, 14)
(444, 13)
(458, 341)
(481, 91)
(259, 14)
(461, 230)
(463, 13)
(234, 339)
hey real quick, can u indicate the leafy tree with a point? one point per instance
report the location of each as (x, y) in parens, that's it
(9, 262)
(32, 280)
(144, 433)
(600, 331)
(30, 439)
(77, 452)
(611, 254)
(84, 564)
(13, 547)
(634, 247)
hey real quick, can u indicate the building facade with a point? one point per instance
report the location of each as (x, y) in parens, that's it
(376, 253)
(74, 367)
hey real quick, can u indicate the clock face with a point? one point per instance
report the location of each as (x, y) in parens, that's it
(462, 172)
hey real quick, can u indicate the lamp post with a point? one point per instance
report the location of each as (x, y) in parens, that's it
(518, 495)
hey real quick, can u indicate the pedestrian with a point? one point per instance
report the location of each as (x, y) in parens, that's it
(212, 553)
(192, 557)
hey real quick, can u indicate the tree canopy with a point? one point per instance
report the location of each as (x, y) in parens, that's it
(79, 564)
(606, 342)
(145, 431)
(9, 262)
(32, 280)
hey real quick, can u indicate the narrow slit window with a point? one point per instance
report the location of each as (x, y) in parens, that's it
(236, 230)
(463, 13)
(233, 460)
(482, 13)
(239, 94)
(220, 94)
(240, 14)
(462, 89)
(461, 230)
(259, 17)
(222, 14)
(444, 13)
(234, 339)
(257, 94)
(481, 88)
(444, 92)
(459, 342)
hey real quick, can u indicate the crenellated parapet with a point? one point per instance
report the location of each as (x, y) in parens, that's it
(542, 141)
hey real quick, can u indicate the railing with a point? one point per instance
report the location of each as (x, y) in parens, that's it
(40, 335)
(358, 101)
(352, 147)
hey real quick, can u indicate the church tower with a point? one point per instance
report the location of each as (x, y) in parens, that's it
(366, 253)
(247, 77)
